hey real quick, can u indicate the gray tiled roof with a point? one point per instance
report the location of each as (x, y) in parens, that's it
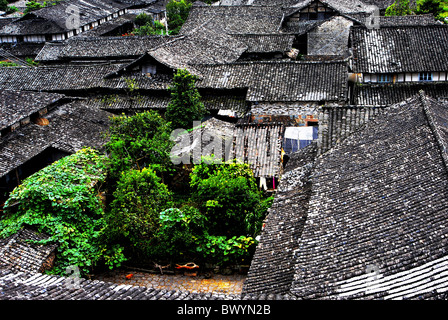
(17, 105)
(337, 123)
(235, 19)
(260, 43)
(272, 267)
(400, 49)
(342, 6)
(71, 127)
(374, 225)
(380, 210)
(52, 19)
(386, 95)
(199, 46)
(160, 100)
(100, 47)
(395, 21)
(258, 145)
(280, 81)
(36, 286)
(57, 78)
(22, 49)
(18, 254)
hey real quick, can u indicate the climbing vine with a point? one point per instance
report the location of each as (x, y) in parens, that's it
(63, 201)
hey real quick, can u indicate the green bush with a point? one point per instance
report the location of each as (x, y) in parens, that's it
(399, 8)
(222, 250)
(178, 233)
(63, 201)
(33, 5)
(133, 218)
(439, 8)
(229, 197)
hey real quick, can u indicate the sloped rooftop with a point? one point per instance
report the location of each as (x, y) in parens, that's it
(244, 19)
(199, 46)
(37, 286)
(375, 221)
(18, 254)
(400, 49)
(100, 47)
(341, 6)
(17, 105)
(71, 127)
(386, 95)
(52, 19)
(279, 81)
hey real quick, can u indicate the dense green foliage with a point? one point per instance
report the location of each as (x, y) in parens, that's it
(134, 213)
(63, 201)
(399, 8)
(142, 19)
(29, 61)
(138, 141)
(146, 26)
(228, 195)
(177, 12)
(439, 8)
(8, 64)
(212, 218)
(33, 5)
(3, 5)
(185, 105)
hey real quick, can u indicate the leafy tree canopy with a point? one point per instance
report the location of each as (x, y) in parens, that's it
(399, 8)
(137, 141)
(134, 216)
(439, 8)
(177, 12)
(229, 197)
(185, 105)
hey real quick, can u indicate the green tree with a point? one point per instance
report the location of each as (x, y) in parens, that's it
(155, 28)
(138, 141)
(178, 233)
(185, 105)
(143, 19)
(228, 196)
(11, 9)
(134, 213)
(399, 8)
(177, 12)
(3, 5)
(437, 7)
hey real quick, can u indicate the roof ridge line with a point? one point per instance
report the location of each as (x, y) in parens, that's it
(442, 146)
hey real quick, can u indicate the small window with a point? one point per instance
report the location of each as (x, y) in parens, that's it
(384, 78)
(151, 69)
(425, 76)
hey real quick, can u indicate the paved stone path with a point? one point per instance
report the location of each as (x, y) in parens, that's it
(229, 284)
